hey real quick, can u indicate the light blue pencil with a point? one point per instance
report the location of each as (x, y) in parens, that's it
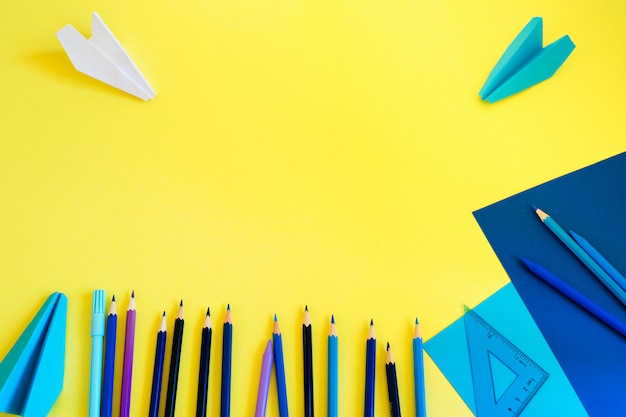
(418, 372)
(600, 260)
(97, 339)
(582, 255)
(333, 370)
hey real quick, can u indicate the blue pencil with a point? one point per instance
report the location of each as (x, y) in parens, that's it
(582, 255)
(600, 260)
(109, 361)
(418, 372)
(97, 336)
(370, 372)
(333, 370)
(157, 374)
(279, 365)
(576, 296)
(227, 362)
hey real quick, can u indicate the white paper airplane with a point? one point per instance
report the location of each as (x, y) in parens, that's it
(103, 58)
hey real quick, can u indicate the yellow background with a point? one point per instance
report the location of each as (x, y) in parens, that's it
(327, 153)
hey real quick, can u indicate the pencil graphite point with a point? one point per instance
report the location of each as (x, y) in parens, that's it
(228, 307)
(208, 311)
(371, 322)
(388, 346)
(275, 318)
(332, 319)
(113, 300)
(416, 322)
(306, 308)
(163, 313)
(181, 302)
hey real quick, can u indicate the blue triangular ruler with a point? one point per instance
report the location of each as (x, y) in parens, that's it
(31, 374)
(525, 62)
(489, 352)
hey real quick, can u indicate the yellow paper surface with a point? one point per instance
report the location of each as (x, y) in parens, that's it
(327, 153)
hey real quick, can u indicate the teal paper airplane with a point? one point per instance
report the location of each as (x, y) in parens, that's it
(525, 62)
(31, 374)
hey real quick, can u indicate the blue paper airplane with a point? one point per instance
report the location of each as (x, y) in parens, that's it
(525, 62)
(31, 374)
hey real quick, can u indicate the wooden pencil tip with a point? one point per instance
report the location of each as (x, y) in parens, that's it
(388, 346)
(275, 318)
(163, 313)
(228, 307)
(332, 319)
(133, 294)
(113, 299)
(181, 303)
(416, 322)
(208, 311)
(371, 322)
(306, 308)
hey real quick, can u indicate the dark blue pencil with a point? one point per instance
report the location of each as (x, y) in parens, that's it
(177, 347)
(157, 375)
(203, 368)
(279, 366)
(109, 361)
(227, 359)
(370, 371)
(392, 384)
(576, 296)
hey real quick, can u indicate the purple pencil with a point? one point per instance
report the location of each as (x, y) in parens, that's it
(264, 382)
(129, 349)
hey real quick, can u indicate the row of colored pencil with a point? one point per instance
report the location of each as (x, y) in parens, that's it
(275, 354)
(273, 357)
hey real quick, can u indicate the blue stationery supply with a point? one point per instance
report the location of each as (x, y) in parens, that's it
(505, 378)
(455, 351)
(31, 374)
(97, 338)
(525, 62)
(590, 353)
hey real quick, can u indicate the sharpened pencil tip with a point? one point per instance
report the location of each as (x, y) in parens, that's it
(388, 346)
(133, 294)
(332, 319)
(306, 308)
(416, 322)
(228, 307)
(208, 311)
(113, 299)
(163, 313)
(534, 207)
(371, 322)
(181, 303)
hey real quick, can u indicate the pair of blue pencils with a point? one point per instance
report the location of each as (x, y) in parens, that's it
(589, 256)
(159, 358)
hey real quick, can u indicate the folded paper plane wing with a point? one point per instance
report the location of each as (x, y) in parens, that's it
(525, 62)
(103, 58)
(31, 374)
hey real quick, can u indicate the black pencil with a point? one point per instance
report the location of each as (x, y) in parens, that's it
(177, 344)
(205, 360)
(307, 352)
(392, 384)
